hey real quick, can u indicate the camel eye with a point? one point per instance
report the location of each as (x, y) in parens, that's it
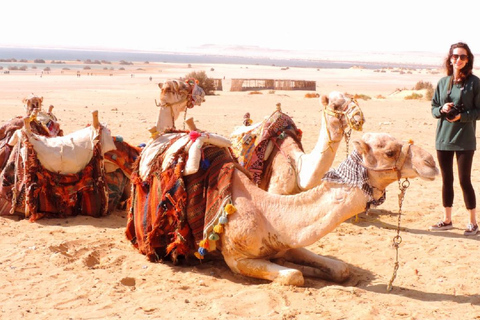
(390, 154)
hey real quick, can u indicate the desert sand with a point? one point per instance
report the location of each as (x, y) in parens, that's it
(84, 268)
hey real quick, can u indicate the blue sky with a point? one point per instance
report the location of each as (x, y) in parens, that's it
(337, 25)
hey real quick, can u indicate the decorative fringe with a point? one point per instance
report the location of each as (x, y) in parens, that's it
(209, 243)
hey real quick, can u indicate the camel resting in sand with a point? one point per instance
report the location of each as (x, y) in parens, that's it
(254, 229)
(286, 168)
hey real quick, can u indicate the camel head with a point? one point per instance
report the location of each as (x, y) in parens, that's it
(345, 109)
(385, 156)
(180, 94)
(34, 102)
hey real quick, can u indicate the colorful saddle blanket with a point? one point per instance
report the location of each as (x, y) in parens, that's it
(249, 147)
(27, 186)
(170, 212)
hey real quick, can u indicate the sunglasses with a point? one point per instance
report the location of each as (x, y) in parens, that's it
(462, 57)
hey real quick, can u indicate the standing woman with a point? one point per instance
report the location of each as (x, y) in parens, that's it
(456, 105)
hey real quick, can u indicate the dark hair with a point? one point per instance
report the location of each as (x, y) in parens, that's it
(467, 70)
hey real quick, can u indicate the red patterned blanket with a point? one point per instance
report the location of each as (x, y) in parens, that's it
(172, 214)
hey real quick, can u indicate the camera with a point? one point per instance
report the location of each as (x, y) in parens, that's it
(454, 111)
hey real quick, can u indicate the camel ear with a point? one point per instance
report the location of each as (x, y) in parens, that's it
(361, 146)
(160, 85)
(41, 99)
(324, 100)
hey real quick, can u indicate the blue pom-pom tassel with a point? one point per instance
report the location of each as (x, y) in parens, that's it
(119, 138)
(202, 251)
(142, 145)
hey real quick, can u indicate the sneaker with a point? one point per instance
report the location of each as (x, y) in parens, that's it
(441, 226)
(471, 230)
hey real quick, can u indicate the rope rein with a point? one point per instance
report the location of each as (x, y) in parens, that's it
(397, 240)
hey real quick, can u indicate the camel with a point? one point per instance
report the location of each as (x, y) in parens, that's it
(176, 97)
(287, 169)
(264, 235)
(86, 172)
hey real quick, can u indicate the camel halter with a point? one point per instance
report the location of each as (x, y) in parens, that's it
(349, 114)
(190, 104)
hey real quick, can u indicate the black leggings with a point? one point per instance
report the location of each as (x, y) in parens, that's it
(464, 164)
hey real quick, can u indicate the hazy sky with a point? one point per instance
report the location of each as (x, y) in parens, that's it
(345, 25)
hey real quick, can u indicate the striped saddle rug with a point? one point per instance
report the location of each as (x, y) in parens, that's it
(169, 211)
(250, 143)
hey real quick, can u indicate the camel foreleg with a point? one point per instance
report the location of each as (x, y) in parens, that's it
(314, 265)
(264, 269)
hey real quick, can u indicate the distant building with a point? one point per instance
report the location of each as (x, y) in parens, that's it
(270, 84)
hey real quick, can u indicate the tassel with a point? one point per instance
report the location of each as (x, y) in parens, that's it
(213, 237)
(194, 135)
(218, 229)
(202, 251)
(222, 220)
(229, 208)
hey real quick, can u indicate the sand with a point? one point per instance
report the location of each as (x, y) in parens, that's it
(84, 268)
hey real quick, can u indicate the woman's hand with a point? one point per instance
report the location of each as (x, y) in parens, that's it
(446, 107)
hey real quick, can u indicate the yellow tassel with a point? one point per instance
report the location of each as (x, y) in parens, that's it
(229, 208)
(218, 228)
(203, 243)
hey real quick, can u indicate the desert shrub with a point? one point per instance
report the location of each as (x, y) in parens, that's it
(23, 68)
(423, 85)
(380, 97)
(13, 68)
(47, 69)
(271, 91)
(255, 92)
(312, 95)
(39, 61)
(414, 96)
(123, 62)
(429, 94)
(203, 81)
(361, 96)
(86, 68)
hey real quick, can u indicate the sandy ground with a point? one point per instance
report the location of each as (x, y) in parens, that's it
(84, 268)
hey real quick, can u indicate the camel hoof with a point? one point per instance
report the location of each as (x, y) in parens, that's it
(290, 277)
(341, 274)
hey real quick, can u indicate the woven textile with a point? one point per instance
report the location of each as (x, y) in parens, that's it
(250, 147)
(352, 172)
(169, 211)
(124, 156)
(38, 192)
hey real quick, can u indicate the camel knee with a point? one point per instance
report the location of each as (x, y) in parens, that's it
(290, 277)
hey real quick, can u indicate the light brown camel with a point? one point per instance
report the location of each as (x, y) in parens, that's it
(266, 227)
(176, 97)
(293, 170)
